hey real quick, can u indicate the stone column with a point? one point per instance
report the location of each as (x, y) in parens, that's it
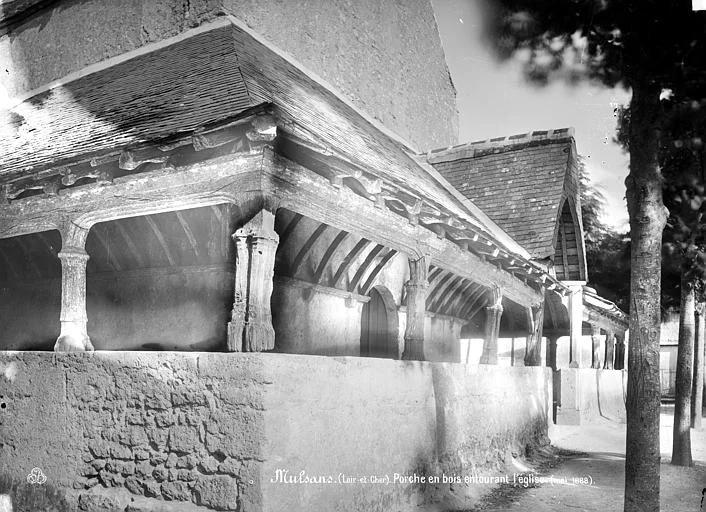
(575, 322)
(416, 289)
(493, 315)
(535, 321)
(250, 328)
(609, 350)
(73, 336)
(595, 346)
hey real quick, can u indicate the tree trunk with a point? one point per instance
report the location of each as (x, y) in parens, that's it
(647, 220)
(697, 393)
(681, 439)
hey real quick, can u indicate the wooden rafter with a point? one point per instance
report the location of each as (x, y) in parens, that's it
(330, 251)
(449, 291)
(305, 249)
(434, 291)
(28, 256)
(189, 234)
(473, 300)
(376, 271)
(110, 258)
(364, 267)
(125, 235)
(348, 261)
(453, 301)
(289, 229)
(434, 274)
(160, 238)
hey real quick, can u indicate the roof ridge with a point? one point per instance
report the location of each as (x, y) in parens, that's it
(509, 140)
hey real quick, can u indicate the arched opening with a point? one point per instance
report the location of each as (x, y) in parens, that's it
(379, 325)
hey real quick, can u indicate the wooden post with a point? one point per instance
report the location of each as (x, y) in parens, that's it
(535, 321)
(250, 328)
(609, 350)
(575, 322)
(493, 315)
(619, 352)
(416, 309)
(74, 334)
(551, 351)
(595, 346)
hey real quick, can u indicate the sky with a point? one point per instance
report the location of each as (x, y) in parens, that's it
(494, 100)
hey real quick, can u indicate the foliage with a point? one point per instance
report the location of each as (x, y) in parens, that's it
(607, 251)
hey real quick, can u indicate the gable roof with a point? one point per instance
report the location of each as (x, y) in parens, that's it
(518, 181)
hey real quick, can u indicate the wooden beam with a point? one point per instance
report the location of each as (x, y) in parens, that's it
(189, 234)
(305, 249)
(301, 190)
(348, 261)
(330, 251)
(160, 238)
(472, 301)
(364, 267)
(365, 289)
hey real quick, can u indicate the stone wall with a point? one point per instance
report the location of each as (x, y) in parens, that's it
(191, 431)
(386, 57)
(587, 395)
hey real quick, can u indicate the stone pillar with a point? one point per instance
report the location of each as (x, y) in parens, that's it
(250, 328)
(595, 346)
(493, 314)
(575, 322)
(416, 289)
(74, 335)
(535, 321)
(609, 350)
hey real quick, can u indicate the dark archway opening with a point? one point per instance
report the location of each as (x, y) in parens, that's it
(379, 325)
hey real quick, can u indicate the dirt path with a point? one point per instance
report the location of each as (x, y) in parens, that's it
(591, 475)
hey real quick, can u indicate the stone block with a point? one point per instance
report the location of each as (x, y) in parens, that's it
(219, 492)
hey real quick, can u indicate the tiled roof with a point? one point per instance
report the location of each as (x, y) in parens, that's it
(208, 75)
(518, 181)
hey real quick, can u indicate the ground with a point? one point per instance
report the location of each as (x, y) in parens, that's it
(597, 453)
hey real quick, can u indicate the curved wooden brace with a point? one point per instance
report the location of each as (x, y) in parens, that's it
(364, 267)
(365, 289)
(348, 261)
(318, 275)
(306, 248)
(449, 291)
(189, 234)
